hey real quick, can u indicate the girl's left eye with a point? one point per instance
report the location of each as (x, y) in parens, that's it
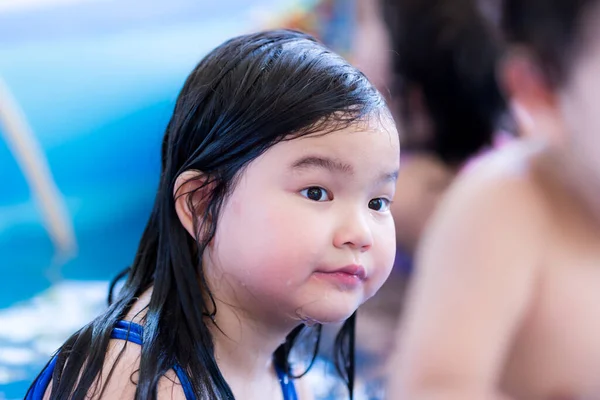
(379, 204)
(316, 193)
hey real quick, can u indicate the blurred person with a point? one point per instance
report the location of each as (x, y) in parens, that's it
(448, 105)
(271, 219)
(504, 299)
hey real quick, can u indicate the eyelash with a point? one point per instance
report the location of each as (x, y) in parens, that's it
(305, 193)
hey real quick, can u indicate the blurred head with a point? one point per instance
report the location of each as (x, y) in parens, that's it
(446, 99)
(552, 77)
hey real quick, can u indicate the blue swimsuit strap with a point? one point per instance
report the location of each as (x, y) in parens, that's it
(133, 332)
(287, 385)
(123, 330)
(38, 389)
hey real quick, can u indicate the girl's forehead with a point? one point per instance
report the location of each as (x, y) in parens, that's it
(378, 124)
(353, 147)
(359, 137)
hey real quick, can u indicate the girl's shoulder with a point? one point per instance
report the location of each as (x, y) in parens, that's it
(123, 359)
(119, 375)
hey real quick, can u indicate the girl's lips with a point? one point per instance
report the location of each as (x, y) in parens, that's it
(348, 277)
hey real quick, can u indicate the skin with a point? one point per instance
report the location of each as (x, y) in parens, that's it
(504, 302)
(422, 182)
(274, 242)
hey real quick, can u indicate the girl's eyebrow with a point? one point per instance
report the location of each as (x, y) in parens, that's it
(330, 164)
(335, 165)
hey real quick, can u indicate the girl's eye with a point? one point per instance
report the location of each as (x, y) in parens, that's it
(380, 204)
(316, 193)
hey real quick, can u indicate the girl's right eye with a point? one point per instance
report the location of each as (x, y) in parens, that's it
(316, 193)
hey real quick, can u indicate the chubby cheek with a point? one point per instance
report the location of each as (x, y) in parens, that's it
(265, 240)
(383, 254)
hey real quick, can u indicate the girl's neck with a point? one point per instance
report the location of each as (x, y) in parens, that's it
(244, 351)
(243, 340)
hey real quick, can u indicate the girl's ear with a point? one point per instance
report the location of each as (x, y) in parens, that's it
(191, 192)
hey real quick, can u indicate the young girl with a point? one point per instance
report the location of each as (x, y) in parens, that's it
(505, 300)
(272, 214)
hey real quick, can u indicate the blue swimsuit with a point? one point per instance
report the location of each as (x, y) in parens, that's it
(132, 332)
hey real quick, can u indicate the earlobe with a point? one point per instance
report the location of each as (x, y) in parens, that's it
(533, 102)
(189, 191)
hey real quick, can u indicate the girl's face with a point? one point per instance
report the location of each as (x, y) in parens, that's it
(307, 233)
